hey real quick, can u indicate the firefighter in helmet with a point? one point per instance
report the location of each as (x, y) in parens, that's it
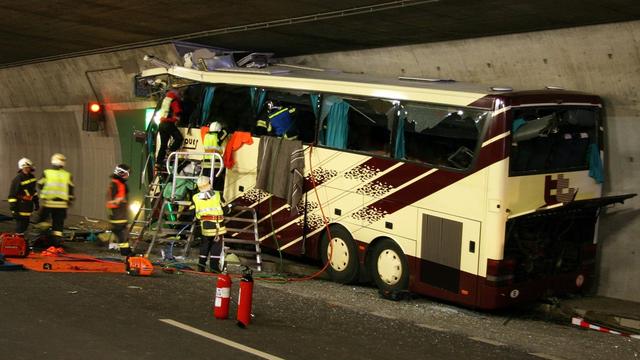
(169, 115)
(117, 206)
(56, 193)
(208, 205)
(212, 143)
(23, 197)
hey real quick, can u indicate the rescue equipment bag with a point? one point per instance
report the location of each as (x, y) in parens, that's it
(139, 266)
(13, 245)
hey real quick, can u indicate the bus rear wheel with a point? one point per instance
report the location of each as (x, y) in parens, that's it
(389, 267)
(343, 265)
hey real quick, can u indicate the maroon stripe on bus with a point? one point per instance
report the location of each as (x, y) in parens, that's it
(543, 97)
(485, 102)
(439, 180)
(402, 174)
(496, 126)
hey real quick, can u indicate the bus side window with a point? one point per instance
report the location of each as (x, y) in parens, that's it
(442, 136)
(368, 134)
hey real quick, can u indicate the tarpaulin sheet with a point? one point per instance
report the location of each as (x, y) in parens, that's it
(68, 263)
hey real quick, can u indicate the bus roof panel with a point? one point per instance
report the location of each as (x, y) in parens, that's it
(451, 93)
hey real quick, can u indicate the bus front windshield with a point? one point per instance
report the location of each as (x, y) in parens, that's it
(553, 139)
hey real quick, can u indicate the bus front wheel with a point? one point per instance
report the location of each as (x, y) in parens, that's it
(389, 267)
(342, 255)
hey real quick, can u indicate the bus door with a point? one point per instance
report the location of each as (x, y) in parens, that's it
(448, 250)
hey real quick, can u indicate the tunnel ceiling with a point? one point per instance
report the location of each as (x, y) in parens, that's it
(35, 30)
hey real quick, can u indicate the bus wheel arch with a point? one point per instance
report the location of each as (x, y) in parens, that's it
(388, 266)
(344, 266)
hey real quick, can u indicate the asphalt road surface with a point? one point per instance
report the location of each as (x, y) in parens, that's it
(115, 316)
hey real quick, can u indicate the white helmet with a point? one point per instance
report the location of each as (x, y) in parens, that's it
(203, 183)
(122, 170)
(215, 126)
(23, 163)
(58, 159)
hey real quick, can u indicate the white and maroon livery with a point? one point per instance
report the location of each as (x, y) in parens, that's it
(479, 196)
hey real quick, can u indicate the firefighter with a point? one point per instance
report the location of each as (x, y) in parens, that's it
(213, 139)
(117, 206)
(208, 205)
(169, 114)
(56, 193)
(212, 143)
(278, 121)
(23, 197)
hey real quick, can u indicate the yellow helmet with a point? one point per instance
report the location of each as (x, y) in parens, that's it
(58, 159)
(203, 183)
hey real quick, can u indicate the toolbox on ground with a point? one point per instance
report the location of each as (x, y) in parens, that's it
(13, 245)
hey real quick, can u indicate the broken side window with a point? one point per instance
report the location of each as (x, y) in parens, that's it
(441, 135)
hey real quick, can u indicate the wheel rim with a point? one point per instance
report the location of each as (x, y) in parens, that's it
(389, 267)
(340, 257)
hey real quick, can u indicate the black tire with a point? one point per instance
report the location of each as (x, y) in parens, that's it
(389, 267)
(344, 265)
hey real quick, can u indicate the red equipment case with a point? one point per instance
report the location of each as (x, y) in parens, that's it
(13, 245)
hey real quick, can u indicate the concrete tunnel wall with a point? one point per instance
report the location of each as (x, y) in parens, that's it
(602, 59)
(41, 109)
(41, 113)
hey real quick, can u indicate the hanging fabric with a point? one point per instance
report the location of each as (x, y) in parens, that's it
(315, 104)
(399, 149)
(596, 170)
(207, 101)
(336, 112)
(258, 97)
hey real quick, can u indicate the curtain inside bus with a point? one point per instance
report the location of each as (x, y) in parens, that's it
(207, 100)
(258, 97)
(336, 112)
(399, 148)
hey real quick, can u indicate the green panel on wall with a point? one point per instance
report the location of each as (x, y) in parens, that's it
(131, 151)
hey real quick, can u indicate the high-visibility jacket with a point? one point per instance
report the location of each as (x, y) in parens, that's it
(23, 194)
(117, 200)
(208, 206)
(57, 188)
(212, 143)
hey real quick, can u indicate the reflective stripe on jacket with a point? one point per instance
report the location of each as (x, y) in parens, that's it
(57, 188)
(209, 211)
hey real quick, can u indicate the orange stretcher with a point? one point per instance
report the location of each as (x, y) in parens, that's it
(68, 263)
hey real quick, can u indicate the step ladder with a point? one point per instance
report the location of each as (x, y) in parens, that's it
(242, 215)
(169, 220)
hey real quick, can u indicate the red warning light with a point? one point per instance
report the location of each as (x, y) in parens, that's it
(94, 107)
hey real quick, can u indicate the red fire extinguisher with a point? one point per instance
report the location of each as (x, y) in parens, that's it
(223, 289)
(244, 299)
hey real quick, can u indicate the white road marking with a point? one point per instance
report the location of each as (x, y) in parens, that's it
(547, 356)
(431, 327)
(488, 341)
(221, 340)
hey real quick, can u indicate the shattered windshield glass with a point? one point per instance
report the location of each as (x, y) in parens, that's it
(552, 139)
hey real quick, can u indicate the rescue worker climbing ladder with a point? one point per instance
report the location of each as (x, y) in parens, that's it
(23, 197)
(169, 115)
(208, 206)
(56, 194)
